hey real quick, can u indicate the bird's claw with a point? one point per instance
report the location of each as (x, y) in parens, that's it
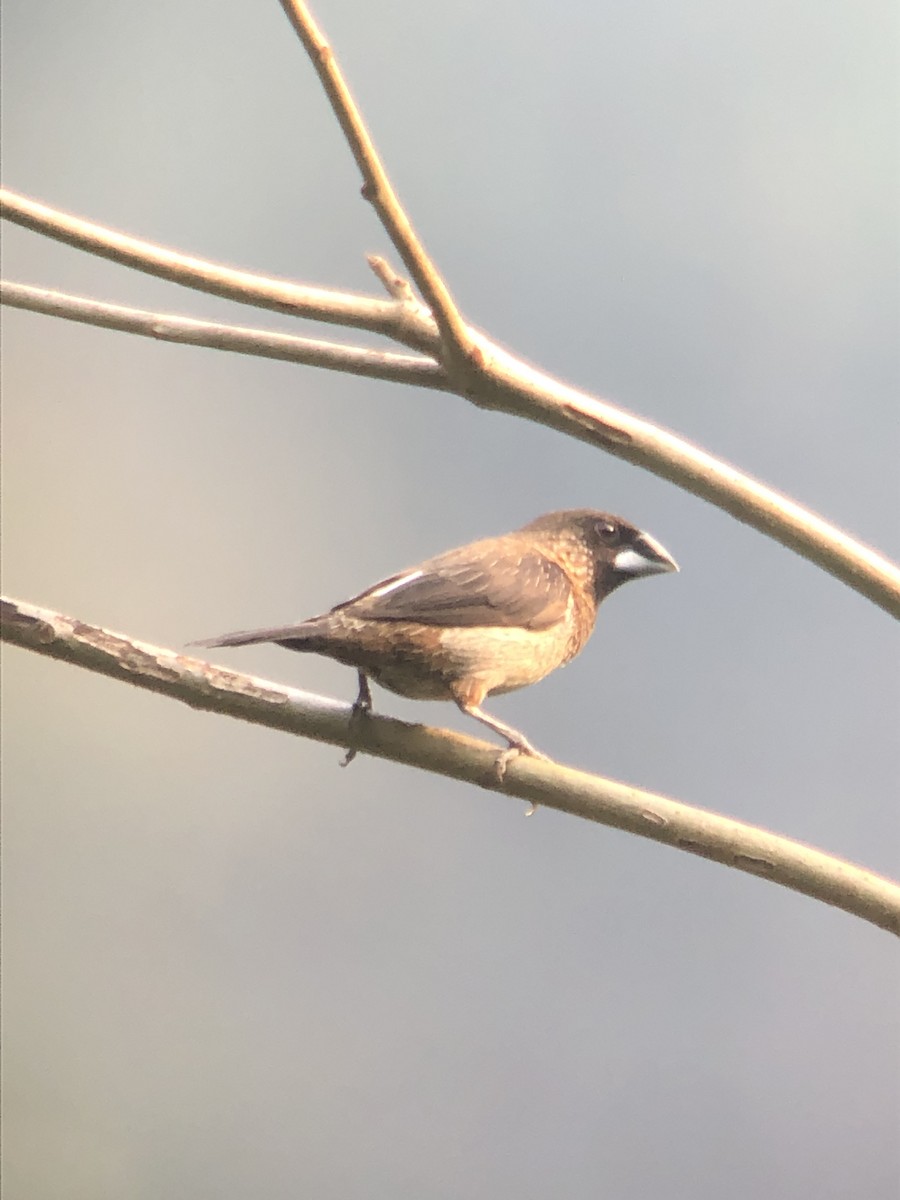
(505, 757)
(358, 713)
(349, 756)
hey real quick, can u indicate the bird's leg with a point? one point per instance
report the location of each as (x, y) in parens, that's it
(363, 701)
(517, 742)
(362, 706)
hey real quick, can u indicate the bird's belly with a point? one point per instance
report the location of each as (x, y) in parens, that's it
(415, 685)
(427, 662)
(504, 658)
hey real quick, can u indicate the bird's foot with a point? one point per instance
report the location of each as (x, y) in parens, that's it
(505, 757)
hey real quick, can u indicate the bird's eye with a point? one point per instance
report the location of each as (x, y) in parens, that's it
(607, 531)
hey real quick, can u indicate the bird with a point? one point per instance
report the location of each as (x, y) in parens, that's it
(484, 619)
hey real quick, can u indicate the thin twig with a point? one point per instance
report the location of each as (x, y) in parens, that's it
(457, 345)
(165, 327)
(214, 689)
(387, 317)
(395, 285)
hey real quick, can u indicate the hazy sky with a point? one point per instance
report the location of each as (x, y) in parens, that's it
(232, 968)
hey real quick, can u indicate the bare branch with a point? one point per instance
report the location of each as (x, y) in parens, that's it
(164, 327)
(510, 385)
(456, 337)
(398, 321)
(213, 689)
(490, 377)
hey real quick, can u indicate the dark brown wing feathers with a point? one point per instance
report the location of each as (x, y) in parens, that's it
(499, 589)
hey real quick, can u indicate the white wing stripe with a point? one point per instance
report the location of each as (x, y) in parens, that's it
(396, 583)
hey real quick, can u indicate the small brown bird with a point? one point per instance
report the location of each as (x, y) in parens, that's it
(485, 619)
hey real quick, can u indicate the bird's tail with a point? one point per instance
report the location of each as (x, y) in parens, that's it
(296, 635)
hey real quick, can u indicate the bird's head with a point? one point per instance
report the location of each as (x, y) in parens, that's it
(612, 549)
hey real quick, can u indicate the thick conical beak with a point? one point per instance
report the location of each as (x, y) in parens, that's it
(645, 556)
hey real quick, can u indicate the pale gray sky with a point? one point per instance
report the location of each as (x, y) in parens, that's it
(232, 968)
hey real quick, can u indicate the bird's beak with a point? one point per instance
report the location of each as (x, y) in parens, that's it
(645, 556)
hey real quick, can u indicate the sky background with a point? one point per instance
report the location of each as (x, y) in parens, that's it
(232, 968)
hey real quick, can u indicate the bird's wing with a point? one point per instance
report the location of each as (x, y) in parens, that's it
(505, 589)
